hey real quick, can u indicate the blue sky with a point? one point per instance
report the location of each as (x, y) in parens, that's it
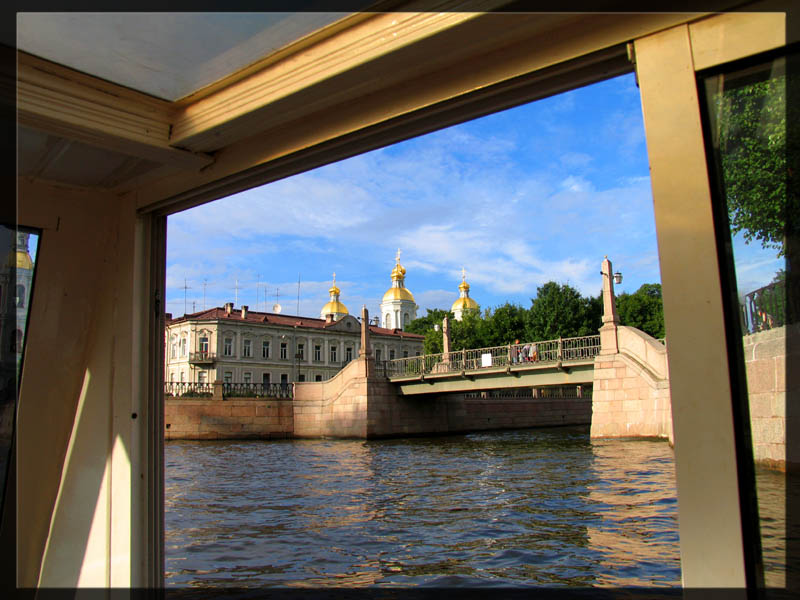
(536, 193)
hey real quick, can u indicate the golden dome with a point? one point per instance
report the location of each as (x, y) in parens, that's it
(333, 307)
(464, 304)
(22, 260)
(398, 293)
(463, 286)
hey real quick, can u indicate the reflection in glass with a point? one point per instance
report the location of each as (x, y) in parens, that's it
(747, 128)
(16, 281)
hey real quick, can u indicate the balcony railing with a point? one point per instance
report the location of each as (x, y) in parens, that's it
(186, 389)
(202, 357)
(544, 352)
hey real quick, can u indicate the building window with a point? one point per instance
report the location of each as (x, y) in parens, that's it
(201, 377)
(284, 378)
(265, 349)
(318, 352)
(405, 353)
(388, 321)
(377, 354)
(227, 348)
(247, 349)
(228, 377)
(391, 354)
(265, 378)
(204, 346)
(301, 351)
(301, 377)
(183, 376)
(284, 350)
(173, 352)
(248, 377)
(172, 377)
(416, 353)
(348, 354)
(317, 377)
(20, 296)
(406, 319)
(333, 353)
(183, 346)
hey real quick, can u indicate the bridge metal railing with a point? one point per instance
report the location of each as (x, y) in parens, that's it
(542, 352)
(188, 389)
(768, 307)
(257, 390)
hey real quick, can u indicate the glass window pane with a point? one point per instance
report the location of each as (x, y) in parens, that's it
(747, 128)
(16, 284)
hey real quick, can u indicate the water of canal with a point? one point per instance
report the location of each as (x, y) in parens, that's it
(540, 507)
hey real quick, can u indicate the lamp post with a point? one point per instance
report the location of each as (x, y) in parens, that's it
(608, 331)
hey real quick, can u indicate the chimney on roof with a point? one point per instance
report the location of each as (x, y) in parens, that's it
(228, 308)
(329, 318)
(168, 316)
(244, 311)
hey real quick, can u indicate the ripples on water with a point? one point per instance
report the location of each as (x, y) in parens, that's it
(518, 508)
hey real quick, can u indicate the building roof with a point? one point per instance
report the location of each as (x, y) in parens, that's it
(256, 317)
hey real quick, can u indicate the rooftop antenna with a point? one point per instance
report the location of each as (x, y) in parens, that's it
(258, 285)
(298, 295)
(185, 287)
(276, 308)
(194, 308)
(236, 293)
(205, 282)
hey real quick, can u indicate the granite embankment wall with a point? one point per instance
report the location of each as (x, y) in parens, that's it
(774, 394)
(631, 389)
(218, 419)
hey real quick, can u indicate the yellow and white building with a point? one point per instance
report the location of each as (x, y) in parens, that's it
(398, 306)
(464, 302)
(244, 346)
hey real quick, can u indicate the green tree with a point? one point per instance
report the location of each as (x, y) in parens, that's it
(469, 332)
(560, 311)
(433, 344)
(503, 325)
(643, 309)
(751, 123)
(433, 317)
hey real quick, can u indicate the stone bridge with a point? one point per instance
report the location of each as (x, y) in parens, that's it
(616, 381)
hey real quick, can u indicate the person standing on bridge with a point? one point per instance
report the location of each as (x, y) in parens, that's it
(525, 352)
(534, 352)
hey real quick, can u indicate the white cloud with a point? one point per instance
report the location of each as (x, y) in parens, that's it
(517, 200)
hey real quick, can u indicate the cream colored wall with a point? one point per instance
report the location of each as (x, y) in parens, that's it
(75, 432)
